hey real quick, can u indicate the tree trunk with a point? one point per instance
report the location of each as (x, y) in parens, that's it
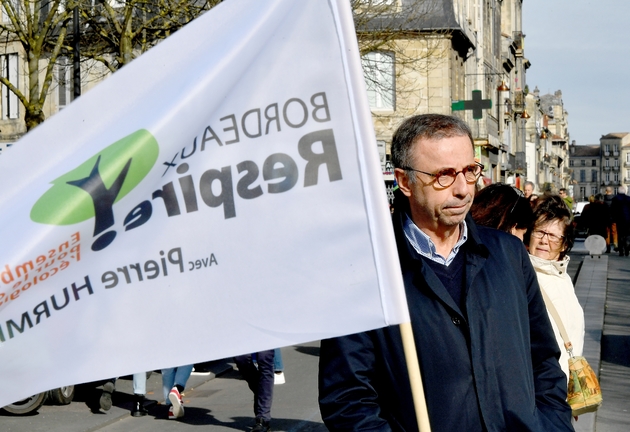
(33, 117)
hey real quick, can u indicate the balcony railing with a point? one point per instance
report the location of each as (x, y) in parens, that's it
(616, 168)
(606, 168)
(616, 153)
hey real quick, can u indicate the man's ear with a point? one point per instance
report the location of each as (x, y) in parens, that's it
(404, 183)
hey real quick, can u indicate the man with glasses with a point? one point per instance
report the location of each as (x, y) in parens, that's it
(487, 352)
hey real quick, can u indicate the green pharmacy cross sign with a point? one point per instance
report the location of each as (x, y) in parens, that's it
(476, 105)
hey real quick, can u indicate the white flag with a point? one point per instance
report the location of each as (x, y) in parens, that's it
(220, 195)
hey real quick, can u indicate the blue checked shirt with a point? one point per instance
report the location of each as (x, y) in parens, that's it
(425, 246)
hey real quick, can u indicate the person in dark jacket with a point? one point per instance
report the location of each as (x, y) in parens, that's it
(620, 210)
(486, 348)
(596, 217)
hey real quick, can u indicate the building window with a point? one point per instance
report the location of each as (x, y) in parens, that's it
(583, 192)
(594, 176)
(616, 162)
(616, 176)
(378, 71)
(571, 162)
(9, 67)
(594, 162)
(627, 157)
(607, 176)
(583, 162)
(607, 147)
(594, 190)
(606, 162)
(582, 176)
(64, 82)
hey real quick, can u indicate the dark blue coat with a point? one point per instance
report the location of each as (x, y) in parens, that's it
(492, 368)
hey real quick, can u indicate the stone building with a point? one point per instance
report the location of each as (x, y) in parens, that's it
(585, 162)
(596, 167)
(547, 132)
(446, 52)
(615, 159)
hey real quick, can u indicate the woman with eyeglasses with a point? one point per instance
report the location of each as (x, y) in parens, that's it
(503, 207)
(550, 240)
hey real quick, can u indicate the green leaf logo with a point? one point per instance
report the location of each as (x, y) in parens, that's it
(128, 161)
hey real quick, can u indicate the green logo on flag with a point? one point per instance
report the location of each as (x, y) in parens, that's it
(92, 188)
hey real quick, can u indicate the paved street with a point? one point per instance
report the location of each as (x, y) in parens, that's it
(224, 403)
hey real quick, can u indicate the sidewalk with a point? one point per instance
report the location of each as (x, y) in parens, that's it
(614, 414)
(602, 287)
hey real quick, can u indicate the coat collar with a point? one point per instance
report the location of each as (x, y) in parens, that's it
(550, 267)
(401, 208)
(411, 263)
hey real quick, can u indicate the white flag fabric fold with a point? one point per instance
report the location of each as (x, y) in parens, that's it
(220, 195)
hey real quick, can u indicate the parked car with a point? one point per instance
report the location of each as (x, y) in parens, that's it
(59, 396)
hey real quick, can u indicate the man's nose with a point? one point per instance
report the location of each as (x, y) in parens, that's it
(460, 185)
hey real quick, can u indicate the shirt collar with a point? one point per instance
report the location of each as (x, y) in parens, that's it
(425, 247)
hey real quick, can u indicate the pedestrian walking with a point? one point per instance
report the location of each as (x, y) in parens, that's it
(611, 231)
(620, 210)
(568, 200)
(173, 384)
(258, 370)
(596, 216)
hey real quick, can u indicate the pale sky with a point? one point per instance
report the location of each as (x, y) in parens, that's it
(582, 47)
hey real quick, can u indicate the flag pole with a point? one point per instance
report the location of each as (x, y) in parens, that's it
(415, 380)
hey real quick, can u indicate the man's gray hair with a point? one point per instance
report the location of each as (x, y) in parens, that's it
(622, 190)
(424, 126)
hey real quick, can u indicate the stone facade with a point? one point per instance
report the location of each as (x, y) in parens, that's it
(596, 167)
(462, 46)
(585, 163)
(547, 132)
